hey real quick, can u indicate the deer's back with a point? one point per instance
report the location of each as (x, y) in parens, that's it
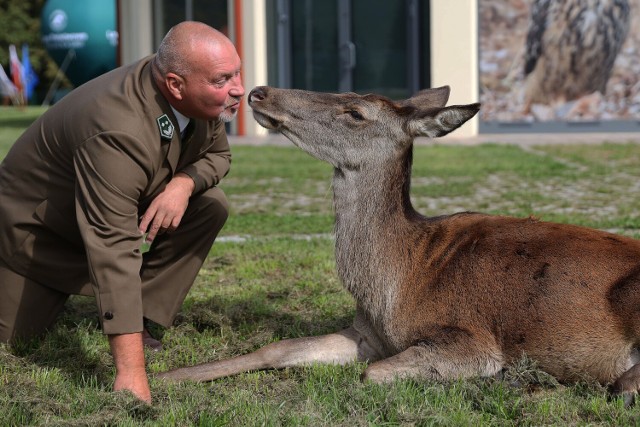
(534, 286)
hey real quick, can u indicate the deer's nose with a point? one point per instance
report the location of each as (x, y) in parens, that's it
(257, 94)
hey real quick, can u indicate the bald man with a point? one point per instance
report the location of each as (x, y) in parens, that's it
(135, 153)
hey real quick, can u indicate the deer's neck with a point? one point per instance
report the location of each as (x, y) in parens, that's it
(373, 220)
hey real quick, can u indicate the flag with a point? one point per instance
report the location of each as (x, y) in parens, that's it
(29, 77)
(16, 68)
(7, 88)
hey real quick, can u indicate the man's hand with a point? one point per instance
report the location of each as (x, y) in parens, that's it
(128, 356)
(166, 210)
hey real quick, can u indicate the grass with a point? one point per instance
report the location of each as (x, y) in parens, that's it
(13, 121)
(271, 276)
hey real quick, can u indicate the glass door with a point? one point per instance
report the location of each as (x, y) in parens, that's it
(379, 48)
(314, 38)
(358, 46)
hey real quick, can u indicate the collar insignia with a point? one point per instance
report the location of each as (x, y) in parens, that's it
(165, 126)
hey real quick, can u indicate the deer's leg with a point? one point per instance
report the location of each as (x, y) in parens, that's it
(449, 353)
(628, 384)
(337, 348)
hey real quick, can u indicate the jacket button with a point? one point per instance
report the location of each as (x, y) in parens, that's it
(108, 315)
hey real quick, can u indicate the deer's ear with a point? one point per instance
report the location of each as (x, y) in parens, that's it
(428, 98)
(435, 123)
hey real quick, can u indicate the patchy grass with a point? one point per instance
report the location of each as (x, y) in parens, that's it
(271, 276)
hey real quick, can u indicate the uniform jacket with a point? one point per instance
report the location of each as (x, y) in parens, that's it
(73, 186)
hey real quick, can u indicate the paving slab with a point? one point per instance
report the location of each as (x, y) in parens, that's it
(503, 138)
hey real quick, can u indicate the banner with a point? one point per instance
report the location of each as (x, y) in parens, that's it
(559, 65)
(83, 30)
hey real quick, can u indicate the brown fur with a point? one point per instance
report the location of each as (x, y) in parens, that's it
(450, 296)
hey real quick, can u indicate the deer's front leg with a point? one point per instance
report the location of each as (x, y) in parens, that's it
(337, 348)
(449, 353)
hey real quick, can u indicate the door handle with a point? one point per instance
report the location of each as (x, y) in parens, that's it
(349, 55)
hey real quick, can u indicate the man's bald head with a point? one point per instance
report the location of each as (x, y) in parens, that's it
(198, 71)
(184, 45)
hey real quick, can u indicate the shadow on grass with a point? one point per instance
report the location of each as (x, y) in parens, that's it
(67, 346)
(17, 122)
(74, 345)
(255, 312)
(11, 117)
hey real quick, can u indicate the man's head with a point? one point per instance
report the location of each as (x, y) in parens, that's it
(197, 69)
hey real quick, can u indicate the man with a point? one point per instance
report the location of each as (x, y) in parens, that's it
(107, 164)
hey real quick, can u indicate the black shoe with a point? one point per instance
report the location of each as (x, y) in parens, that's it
(150, 342)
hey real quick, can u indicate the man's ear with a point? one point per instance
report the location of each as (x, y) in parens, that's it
(435, 123)
(175, 85)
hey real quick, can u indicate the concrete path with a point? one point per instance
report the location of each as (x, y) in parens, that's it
(518, 139)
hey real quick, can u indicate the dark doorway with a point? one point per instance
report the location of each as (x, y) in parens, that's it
(360, 46)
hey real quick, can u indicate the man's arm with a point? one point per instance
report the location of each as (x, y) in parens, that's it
(128, 356)
(109, 181)
(166, 210)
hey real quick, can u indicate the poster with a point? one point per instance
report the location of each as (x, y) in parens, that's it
(559, 61)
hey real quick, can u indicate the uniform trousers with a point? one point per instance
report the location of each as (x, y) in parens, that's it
(28, 308)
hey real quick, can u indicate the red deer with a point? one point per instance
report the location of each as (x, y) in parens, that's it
(450, 296)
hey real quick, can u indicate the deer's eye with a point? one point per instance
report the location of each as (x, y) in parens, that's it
(355, 114)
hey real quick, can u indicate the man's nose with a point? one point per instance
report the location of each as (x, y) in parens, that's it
(237, 88)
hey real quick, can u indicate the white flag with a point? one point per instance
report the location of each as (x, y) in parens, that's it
(7, 88)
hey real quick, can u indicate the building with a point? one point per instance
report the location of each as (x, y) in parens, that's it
(395, 48)
(323, 45)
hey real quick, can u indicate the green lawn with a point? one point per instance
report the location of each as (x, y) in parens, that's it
(271, 276)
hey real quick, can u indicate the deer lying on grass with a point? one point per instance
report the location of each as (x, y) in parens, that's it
(451, 296)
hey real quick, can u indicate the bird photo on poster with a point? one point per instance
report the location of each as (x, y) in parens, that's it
(559, 60)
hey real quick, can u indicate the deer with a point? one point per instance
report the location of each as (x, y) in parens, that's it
(453, 296)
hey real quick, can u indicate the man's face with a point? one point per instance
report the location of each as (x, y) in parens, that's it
(214, 88)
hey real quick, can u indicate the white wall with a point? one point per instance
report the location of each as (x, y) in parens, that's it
(254, 56)
(454, 53)
(136, 30)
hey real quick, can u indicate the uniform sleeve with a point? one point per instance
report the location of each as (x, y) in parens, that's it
(111, 174)
(214, 164)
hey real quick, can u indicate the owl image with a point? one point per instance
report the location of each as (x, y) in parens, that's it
(571, 47)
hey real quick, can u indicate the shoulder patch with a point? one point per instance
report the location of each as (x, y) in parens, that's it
(165, 126)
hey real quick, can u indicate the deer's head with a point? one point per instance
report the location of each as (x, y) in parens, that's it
(350, 131)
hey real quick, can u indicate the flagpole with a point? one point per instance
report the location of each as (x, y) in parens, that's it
(71, 53)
